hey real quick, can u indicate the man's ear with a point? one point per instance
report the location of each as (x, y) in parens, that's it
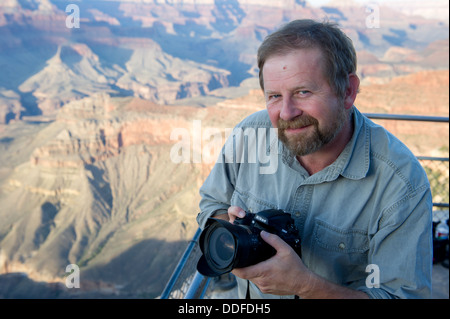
(351, 91)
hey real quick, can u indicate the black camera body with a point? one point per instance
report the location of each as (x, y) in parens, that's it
(226, 246)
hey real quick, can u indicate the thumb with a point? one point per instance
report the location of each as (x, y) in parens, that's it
(273, 240)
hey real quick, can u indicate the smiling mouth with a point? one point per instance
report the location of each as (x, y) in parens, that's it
(296, 129)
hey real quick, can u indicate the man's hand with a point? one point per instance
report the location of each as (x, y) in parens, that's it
(233, 212)
(285, 274)
(282, 274)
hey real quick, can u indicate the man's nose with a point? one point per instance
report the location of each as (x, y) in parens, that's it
(289, 109)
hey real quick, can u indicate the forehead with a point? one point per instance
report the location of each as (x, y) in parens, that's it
(294, 65)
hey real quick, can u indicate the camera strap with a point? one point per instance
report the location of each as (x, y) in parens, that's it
(247, 295)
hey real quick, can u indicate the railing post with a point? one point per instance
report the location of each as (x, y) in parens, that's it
(195, 291)
(180, 266)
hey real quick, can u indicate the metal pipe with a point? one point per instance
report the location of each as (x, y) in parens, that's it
(180, 266)
(194, 288)
(422, 118)
(429, 158)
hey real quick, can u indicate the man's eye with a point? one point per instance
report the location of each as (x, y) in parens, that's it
(303, 92)
(274, 96)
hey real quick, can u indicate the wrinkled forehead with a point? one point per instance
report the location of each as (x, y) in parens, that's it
(307, 62)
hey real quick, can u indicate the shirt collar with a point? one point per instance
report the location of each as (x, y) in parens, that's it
(356, 156)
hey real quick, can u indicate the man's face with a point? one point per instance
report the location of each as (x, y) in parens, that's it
(300, 102)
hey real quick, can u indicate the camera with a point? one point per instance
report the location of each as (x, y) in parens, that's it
(226, 245)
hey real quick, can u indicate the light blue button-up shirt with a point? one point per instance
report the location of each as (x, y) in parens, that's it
(364, 221)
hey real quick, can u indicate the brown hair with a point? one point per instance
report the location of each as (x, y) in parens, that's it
(338, 51)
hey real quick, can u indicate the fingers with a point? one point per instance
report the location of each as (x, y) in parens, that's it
(280, 274)
(235, 211)
(257, 270)
(250, 272)
(273, 240)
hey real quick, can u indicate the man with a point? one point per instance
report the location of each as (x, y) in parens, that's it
(358, 196)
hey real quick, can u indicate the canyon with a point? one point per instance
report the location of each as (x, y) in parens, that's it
(87, 116)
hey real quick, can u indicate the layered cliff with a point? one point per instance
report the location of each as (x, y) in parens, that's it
(172, 51)
(97, 188)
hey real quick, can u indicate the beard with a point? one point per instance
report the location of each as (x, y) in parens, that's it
(311, 141)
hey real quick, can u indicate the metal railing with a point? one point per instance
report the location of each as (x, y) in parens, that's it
(398, 117)
(187, 283)
(437, 169)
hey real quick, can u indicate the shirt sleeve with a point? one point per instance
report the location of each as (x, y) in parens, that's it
(218, 188)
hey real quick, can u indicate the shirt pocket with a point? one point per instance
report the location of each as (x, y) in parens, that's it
(338, 254)
(249, 202)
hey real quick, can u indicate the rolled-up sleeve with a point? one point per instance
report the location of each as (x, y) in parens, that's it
(217, 190)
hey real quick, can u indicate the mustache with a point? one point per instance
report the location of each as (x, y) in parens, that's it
(298, 122)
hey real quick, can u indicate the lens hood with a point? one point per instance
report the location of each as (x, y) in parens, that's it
(207, 265)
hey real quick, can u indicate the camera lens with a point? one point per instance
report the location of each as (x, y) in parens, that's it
(221, 247)
(226, 245)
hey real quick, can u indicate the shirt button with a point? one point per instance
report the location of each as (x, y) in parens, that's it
(297, 214)
(341, 245)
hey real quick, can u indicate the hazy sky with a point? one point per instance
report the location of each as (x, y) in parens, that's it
(324, 2)
(437, 9)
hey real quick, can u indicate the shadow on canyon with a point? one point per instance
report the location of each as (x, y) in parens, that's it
(142, 271)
